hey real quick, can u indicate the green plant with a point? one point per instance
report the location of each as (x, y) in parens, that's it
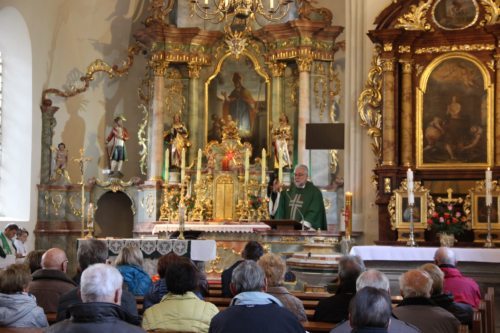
(448, 219)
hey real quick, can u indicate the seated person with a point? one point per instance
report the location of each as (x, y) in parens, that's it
(274, 267)
(20, 241)
(180, 310)
(100, 311)
(335, 309)
(34, 260)
(252, 310)
(129, 262)
(370, 311)
(17, 307)
(252, 251)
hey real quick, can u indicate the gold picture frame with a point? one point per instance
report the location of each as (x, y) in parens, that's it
(398, 207)
(454, 111)
(475, 203)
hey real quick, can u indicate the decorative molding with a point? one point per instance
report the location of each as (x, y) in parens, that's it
(158, 63)
(404, 49)
(277, 68)
(387, 47)
(451, 48)
(492, 12)
(415, 19)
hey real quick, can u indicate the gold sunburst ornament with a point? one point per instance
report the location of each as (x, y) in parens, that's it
(236, 42)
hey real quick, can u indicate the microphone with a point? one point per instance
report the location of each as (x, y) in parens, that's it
(303, 222)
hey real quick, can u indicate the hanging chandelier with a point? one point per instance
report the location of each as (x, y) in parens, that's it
(217, 11)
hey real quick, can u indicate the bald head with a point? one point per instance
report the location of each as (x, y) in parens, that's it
(55, 258)
(445, 256)
(415, 283)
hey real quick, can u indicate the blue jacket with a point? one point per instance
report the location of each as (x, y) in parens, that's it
(136, 279)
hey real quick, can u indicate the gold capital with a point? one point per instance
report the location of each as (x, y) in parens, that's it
(158, 63)
(194, 70)
(277, 68)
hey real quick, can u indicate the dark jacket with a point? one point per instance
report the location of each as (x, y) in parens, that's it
(463, 312)
(369, 330)
(128, 304)
(94, 318)
(395, 326)
(226, 279)
(48, 286)
(335, 309)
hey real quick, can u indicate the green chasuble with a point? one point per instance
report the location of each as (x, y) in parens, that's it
(307, 201)
(5, 244)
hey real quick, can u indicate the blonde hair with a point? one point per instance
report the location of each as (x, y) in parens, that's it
(274, 267)
(437, 277)
(130, 255)
(14, 279)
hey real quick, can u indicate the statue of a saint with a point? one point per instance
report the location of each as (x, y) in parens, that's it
(281, 138)
(115, 142)
(59, 162)
(177, 138)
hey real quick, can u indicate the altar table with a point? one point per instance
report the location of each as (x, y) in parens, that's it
(219, 228)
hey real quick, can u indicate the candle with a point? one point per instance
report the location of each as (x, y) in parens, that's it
(280, 167)
(183, 164)
(206, 2)
(348, 214)
(198, 168)
(247, 165)
(263, 164)
(409, 179)
(271, 4)
(488, 187)
(167, 156)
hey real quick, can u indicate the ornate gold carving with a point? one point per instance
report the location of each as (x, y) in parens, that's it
(304, 60)
(158, 11)
(369, 105)
(56, 203)
(491, 65)
(492, 12)
(158, 63)
(236, 41)
(194, 70)
(387, 185)
(145, 92)
(404, 49)
(415, 19)
(308, 12)
(451, 48)
(388, 65)
(175, 102)
(277, 68)
(46, 197)
(320, 88)
(418, 187)
(77, 212)
(148, 203)
(387, 47)
(290, 239)
(407, 66)
(115, 184)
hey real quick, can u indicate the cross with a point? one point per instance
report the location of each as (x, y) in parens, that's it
(82, 160)
(450, 198)
(295, 205)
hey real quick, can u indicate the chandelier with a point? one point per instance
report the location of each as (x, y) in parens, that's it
(217, 11)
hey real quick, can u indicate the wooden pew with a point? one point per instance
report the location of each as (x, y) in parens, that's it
(20, 330)
(317, 326)
(51, 317)
(477, 325)
(489, 300)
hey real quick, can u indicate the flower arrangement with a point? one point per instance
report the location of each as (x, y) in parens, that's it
(255, 201)
(449, 219)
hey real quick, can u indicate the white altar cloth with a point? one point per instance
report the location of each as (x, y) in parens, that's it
(236, 228)
(401, 253)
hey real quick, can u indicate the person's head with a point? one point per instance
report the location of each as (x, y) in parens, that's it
(445, 256)
(252, 251)
(300, 173)
(61, 146)
(181, 277)
(350, 267)
(22, 235)
(130, 255)
(247, 276)
(237, 79)
(14, 279)
(34, 260)
(101, 283)
(91, 251)
(371, 307)
(165, 261)
(415, 283)
(283, 119)
(274, 267)
(437, 277)
(10, 230)
(55, 258)
(373, 278)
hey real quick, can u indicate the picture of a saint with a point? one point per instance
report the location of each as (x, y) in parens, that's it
(240, 105)
(455, 14)
(407, 211)
(482, 210)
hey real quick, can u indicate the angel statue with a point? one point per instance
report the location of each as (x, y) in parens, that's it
(59, 161)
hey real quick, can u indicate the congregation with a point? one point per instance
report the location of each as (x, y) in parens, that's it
(102, 297)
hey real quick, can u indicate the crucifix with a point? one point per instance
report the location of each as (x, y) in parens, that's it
(82, 161)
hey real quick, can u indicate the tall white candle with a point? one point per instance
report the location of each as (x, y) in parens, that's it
(409, 180)
(271, 4)
(198, 167)
(90, 216)
(488, 187)
(167, 157)
(263, 164)
(183, 164)
(247, 165)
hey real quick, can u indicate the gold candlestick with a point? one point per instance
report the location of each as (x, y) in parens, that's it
(82, 160)
(348, 215)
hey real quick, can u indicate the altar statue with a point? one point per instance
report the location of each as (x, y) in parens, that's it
(281, 138)
(115, 142)
(59, 162)
(177, 138)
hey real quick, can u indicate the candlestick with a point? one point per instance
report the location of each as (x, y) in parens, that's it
(167, 162)
(247, 165)
(409, 180)
(280, 167)
(263, 164)
(348, 215)
(198, 168)
(488, 187)
(183, 165)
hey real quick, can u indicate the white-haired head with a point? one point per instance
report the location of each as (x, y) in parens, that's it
(373, 278)
(445, 256)
(101, 283)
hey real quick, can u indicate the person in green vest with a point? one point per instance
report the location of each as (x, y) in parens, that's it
(302, 201)
(6, 243)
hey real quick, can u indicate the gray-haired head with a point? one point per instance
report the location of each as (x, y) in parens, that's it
(371, 307)
(101, 283)
(445, 256)
(248, 276)
(303, 167)
(91, 251)
(415, 283)
(373, 278)
(350, 267)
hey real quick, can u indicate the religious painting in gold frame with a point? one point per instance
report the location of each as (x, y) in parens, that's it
(478, 210)
(239, 88)
(454, 114)
(403, 210)
(455, 14)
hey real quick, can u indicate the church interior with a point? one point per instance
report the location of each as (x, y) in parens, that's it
(145, 122)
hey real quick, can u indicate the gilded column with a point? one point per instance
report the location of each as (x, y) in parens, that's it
(195, 119)
(497, 107)
(304, 61)
(388, 124)
(407, 119)
(155, 157)
(277, 70)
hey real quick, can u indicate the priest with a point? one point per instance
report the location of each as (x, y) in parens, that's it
(302, 201)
